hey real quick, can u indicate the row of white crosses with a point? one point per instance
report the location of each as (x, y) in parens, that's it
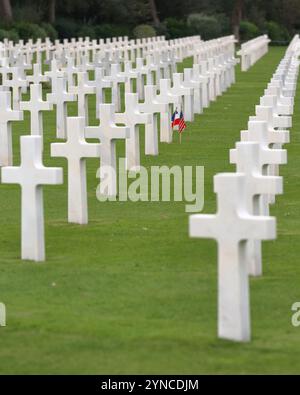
(158, 64)
(193, 90)
(251, 51)
(242, 220)
(204, 86)
(120, 47)
(113, 52)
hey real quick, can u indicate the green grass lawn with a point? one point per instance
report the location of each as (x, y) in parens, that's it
(130, 292)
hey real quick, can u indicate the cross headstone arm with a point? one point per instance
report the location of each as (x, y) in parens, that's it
(90, 150)
(144, 117)
(160, 107)
(280, 136)
(15, 115)
(10, 175)
(271, 156)
(121, 132)
(106, 83)
(203, 225)
(276, 156)
(282, 121)
(25, 105)
(151, 105)
(92, 132)
(273, 186)
(285, 109)
(260, 227)
(45, 105)
(57, 150)
(54, 176)
(71, 97)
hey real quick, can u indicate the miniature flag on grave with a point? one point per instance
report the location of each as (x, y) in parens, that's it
(178, 120)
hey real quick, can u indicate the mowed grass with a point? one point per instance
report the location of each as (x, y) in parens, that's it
(130, 292)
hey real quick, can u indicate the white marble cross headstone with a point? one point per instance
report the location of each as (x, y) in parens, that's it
(232, 226)
(53, 75)
(35, 106)
(71, 71)
(60, 98)
(22, 67)
(75, 150)
(276, 137)
(131, 74)
(250, 159)
(7, 115)
(266, 113)
(258, 131)
(151, 69)
(163, 71)
(187, 94)
(17, 83)
(196, 85)
(210, 86)
(221, 68)
(165, 97)
(133, 118)
(152, 106)
(204, 79)
(100, 83)
(216, 72)
(107, 132)
(280, 121)
(285, 105)
(102, 60)
(213, 80)
(117, 78)
(283, 99)
(5, 69)
(146, 74)
(31, 175)
(82, 90)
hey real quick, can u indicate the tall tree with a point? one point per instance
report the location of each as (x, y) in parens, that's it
(6, 10)
(51, 11)
(237, 14)
(154, 13)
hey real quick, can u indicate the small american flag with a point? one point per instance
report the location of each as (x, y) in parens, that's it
(181, 124)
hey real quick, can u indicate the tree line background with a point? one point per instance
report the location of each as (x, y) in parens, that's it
(24, 19)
